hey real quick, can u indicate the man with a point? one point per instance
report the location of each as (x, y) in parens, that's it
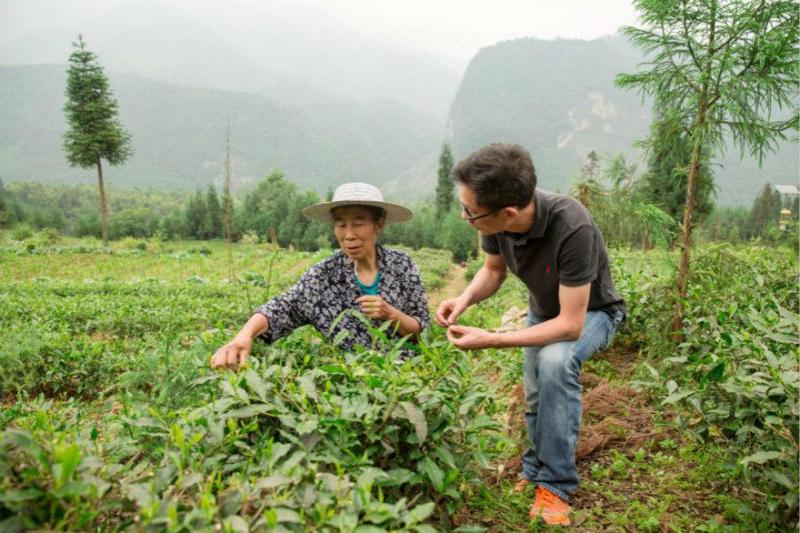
(551, 243)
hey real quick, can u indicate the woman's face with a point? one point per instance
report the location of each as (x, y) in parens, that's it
(356, 231)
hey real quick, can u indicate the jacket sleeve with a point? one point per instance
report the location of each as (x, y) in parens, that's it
(286, 312)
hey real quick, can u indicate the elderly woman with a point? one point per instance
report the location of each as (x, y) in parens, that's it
(381, 283)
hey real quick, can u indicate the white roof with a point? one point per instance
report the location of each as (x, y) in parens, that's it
(787, 189)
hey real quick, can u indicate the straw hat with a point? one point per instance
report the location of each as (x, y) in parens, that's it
(357, 194)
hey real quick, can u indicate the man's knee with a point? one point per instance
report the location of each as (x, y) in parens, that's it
(556, 361)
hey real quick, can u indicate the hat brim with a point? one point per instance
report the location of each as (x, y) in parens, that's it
(321, 212)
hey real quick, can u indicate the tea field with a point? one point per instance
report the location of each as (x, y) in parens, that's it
(110, 418)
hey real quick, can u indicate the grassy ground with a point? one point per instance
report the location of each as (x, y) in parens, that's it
(638, 472)
(150, 312)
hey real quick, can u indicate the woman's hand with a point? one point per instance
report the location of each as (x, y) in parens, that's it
(233, 355)
(375, 307)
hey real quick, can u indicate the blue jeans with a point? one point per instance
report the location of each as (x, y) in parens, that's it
(553, 402)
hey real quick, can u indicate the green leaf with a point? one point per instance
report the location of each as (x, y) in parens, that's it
(676, 397)
(433, 472)
(140, 493)
(761, 457)
(256, 384)
(288, 515)
(21, 495)
(417, 418)
(419, 513)
(249, 411)
(715, 374)
(236, 523)
(69, 457)
(781, 478)
(308, 386)
(72, 489)
(333, 369)
(306, 426)
(272, 482)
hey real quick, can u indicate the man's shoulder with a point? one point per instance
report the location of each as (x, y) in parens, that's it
(567, 212)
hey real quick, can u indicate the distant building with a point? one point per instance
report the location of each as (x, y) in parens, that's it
(788, 191)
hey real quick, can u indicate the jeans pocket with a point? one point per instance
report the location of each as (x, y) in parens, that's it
(614, 322)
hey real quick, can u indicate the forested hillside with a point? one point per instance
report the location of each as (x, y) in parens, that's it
(179, 134)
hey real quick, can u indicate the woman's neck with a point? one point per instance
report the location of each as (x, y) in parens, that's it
(367, 269)
(368, 265)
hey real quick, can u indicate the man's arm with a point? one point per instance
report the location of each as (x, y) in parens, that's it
(485, 283)
(567, 326)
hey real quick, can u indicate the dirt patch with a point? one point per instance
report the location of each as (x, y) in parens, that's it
(614, 416)
(456, 282)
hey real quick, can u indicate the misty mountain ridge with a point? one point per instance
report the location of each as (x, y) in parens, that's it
(558, 99)
(179, 134)
(325, 105)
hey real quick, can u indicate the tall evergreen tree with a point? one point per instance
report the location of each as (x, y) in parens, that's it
(717, 67)
(94, 131)
(195, 217)
(669, 155)
(444, 185)
(213, 224)
(766, 209)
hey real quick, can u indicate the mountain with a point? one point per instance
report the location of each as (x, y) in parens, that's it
(558, 99)
(179, 134)
(292, 51)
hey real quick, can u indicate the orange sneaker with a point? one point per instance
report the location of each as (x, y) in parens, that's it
(521, 485)
(550, 508)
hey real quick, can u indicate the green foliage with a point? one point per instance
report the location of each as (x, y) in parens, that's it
(735, 376)
(444, 182)
(275, 205)
(213, 228)
(306, 437)
(625, 216)
(669, 155)
(91, 109)
(765, 211)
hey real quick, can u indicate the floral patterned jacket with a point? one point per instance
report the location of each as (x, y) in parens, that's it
(329, 288)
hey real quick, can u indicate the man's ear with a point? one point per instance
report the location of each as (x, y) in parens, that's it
(510, 212)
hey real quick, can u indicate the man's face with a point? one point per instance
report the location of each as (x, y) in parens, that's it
(485, 220)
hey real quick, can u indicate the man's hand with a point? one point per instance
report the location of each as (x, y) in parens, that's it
(449, 310)
(469, 338)
(233, 355)
(375, 307)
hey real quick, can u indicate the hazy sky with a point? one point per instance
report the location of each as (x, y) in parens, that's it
(460, 28)
(451, 29)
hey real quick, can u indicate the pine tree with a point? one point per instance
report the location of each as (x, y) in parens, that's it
(669, 156)
(766, 210)
(195, 217)
(213, 223)
(94, 131)
(444, 185)
(717, 67)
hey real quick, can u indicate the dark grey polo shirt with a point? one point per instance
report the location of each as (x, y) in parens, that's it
(564, 247)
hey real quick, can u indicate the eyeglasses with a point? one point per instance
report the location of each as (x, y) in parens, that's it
(473, 218)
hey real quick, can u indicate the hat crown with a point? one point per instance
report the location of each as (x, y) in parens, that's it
(349, 192)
